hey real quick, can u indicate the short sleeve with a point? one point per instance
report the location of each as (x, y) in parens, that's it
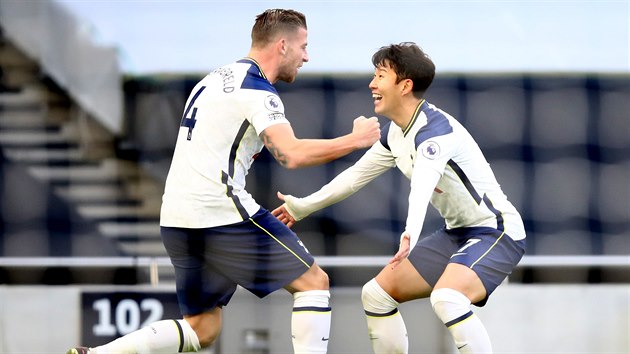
(264, 109)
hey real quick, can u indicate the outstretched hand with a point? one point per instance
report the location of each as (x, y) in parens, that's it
(403, 250)
(282, 214)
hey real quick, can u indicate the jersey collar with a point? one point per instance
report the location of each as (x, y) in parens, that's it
(251, 60)
(414, 117)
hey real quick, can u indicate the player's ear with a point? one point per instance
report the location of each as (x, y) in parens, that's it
(281, 46)
(407, 86)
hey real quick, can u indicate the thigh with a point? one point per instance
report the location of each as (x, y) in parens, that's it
(260, 254)
(200, 287)
(482, 256)
(431, 255)
(463, 279)
(490, 254)
(403, 283)
(313, 279)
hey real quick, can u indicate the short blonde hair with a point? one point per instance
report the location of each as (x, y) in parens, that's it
(274, 21)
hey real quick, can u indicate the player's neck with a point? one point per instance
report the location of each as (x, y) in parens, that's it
(268, 63)
(405, 112)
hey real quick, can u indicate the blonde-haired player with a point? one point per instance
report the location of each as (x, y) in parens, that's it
(216, 235)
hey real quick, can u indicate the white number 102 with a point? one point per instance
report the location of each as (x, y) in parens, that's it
(127, 316)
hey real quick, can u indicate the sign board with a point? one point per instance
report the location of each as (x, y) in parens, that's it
(109, 315)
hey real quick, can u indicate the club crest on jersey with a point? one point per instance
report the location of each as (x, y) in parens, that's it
(273, 103)
(430, 150)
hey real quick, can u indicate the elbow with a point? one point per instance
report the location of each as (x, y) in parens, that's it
(294, 161)
(292, 164)
(293, 158)
(288, 161)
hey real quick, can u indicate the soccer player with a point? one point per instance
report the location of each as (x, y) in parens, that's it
(484, 236)
(216, 235)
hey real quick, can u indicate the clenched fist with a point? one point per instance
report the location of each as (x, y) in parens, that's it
(366, 131)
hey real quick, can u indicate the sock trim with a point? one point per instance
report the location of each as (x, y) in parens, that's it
(387, 314)
(459, 319)
(181, 336)
(312, 309)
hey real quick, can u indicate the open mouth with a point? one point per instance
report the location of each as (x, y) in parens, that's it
(376, 97)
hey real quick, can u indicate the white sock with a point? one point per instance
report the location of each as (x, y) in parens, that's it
(469, 334)
(386, 327)
(167, 336)
(310, 321)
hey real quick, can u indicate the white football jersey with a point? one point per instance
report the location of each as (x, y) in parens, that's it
(217, 143)
(445, 166)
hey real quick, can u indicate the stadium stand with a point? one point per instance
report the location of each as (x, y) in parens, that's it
(549, 138)
(65, 191)
(559, 145)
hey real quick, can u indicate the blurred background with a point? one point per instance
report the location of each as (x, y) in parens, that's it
(91, 94)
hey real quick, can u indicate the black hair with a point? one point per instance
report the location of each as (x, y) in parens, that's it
(408, 62)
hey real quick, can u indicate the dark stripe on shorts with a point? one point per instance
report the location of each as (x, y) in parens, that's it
(458, 319)
(181, 336)
(311, 308)
(374, 314)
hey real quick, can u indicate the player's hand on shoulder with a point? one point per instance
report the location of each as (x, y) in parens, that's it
(366, 130)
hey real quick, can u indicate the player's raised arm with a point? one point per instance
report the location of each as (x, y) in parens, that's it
(292, 152)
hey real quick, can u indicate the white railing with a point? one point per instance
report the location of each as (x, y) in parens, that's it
(154, 263)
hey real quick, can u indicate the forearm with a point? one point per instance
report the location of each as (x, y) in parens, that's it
(313, 152)
(292, 152)
(370, 166)
(335, 191)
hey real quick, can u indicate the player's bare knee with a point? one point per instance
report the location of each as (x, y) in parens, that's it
(321, 280)
(206, 332)
(207, 326)
(314, 279)
(205, 341)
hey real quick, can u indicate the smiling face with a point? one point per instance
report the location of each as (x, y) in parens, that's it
(386, 92)
(295, 55)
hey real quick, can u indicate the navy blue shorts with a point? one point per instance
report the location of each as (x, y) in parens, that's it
(260, 254)
(489, 252)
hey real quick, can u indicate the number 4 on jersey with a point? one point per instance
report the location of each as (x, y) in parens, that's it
(190, 122)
